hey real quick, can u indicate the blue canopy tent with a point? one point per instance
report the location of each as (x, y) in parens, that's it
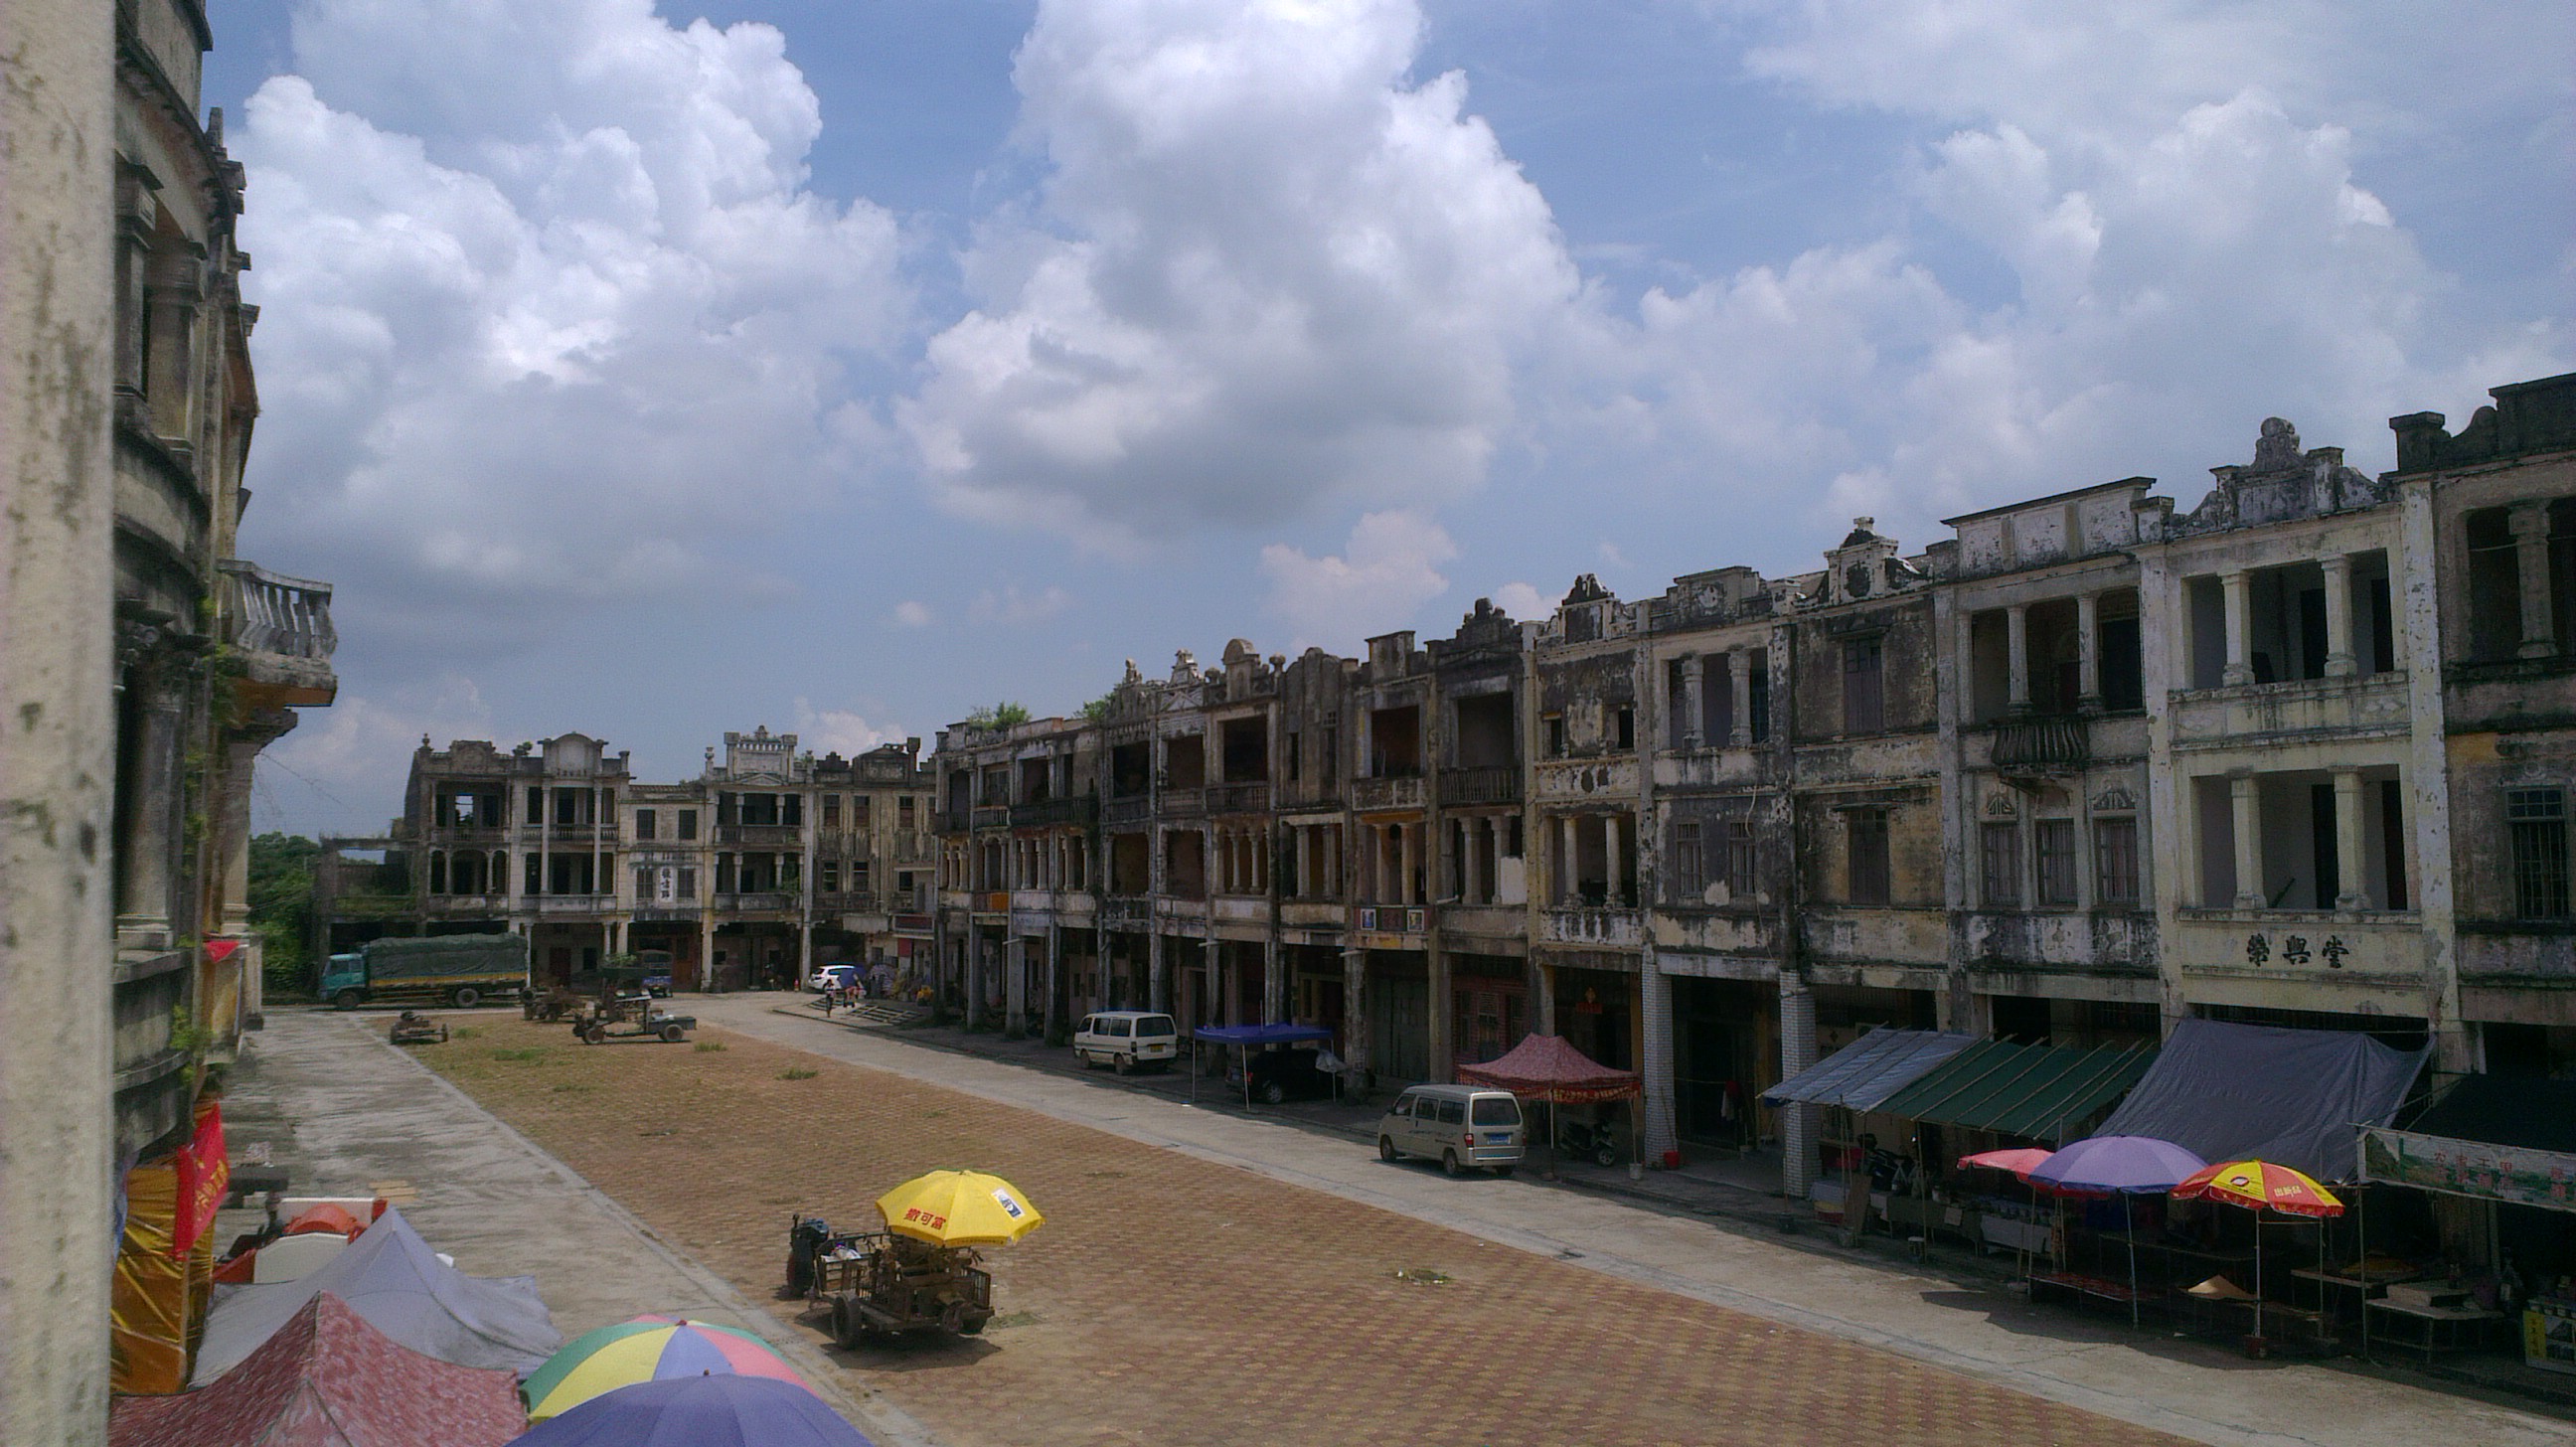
(1246, 1038)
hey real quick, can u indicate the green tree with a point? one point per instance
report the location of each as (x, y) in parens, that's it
(281, 908)
(998, 716)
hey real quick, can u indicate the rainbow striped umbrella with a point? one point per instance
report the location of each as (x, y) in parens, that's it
(647, 1349)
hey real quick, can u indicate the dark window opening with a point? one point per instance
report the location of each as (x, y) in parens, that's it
(1743, 860)
(1758, 690)
(1185, 762)
(1864, 698)
(2495, 585)
(2115, 861)
(1395, 743)
(645, 824)
(1624, 725)
(1485, 731)
(2054, 841)
(2536, 819)
(1246, 742)
(1130, 770)
(1867, 864)
(2001, 857)
(2123, 665)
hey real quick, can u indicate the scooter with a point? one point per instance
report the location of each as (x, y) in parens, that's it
(1595, 1142)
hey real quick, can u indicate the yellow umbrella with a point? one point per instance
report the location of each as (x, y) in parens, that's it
(959, 1208)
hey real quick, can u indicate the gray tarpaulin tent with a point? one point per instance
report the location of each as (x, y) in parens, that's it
(2229, 1092)
(390, 1277)
(1862, 1075)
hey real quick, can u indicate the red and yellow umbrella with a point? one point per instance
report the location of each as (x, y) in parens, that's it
(2261, 1186)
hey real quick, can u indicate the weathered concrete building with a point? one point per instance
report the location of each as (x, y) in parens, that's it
(2090, 765)
(146, 666)
(766, 863)
(2495, 508)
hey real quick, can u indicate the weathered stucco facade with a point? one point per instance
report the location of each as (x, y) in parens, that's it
(767, 863)
(2092, 764)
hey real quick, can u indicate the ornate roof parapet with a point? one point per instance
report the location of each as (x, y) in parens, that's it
(2282, 483)
(2527, 418)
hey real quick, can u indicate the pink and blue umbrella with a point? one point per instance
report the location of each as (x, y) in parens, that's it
(710, 1411)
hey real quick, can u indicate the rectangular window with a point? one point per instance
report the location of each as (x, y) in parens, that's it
(1864, 696)
(1624, 725)
(2001, 856)
(1296, 756)
(1757, 690)
(1556, 736)
(828, 877)
(2537, 821)
(2055, 846)
(903, 815)
(643, 886)
(536, 805)
(859, 876)
(536, 873)
(1743, 860)
(688, 823)
(689, 882)
(1688, 879)
(1866, 866)
(2115, 861)
(831, 811)
(644, 823)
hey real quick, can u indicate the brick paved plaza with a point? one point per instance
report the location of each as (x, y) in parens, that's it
(1173, 1301)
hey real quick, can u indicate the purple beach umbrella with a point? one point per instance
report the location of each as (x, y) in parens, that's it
(2118, 1163)
(708, 1411)
(2122, 1165)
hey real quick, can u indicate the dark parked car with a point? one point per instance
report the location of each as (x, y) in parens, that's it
(1288, 1074)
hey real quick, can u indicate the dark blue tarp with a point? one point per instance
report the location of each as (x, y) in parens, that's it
(1261, 1034)
(2230, 1092)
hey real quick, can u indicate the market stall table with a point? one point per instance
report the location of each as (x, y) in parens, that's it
(2432, 1330)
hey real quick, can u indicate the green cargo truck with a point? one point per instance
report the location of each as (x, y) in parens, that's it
(460, 970)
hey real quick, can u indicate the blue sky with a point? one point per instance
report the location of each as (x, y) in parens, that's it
(838, 365)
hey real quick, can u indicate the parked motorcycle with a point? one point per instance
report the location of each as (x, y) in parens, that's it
(1587, 1140)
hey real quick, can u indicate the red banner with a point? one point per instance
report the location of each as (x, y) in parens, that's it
(205, 1176)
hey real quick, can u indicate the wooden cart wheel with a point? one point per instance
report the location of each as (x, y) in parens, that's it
(673, 1034)
(953, 1317)
(593, 1033)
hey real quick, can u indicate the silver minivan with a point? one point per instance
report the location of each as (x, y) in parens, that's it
(1463, 1127)
(1126, 1039)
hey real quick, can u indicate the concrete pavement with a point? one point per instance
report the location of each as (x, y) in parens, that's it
(324, 1094)
(2177, 1385)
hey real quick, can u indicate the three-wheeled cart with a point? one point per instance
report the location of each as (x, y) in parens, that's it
(631, 1016)
(880, 1284)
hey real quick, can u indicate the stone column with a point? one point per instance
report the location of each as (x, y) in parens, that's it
(1054, 979)
(1274, 981)
(1355, 1022)
(1405, 849)
(1614, 874)
(1691, 685)
(1471, 869)
(58, 342)
(2531, 554)
(1797, 1122)
(1655, 1062)
(1567, 890)
(2351, 891)
(2247, 799)
(2017, 654)
(1444, 1011)
(1739, 677)
(2088, 665)
(2339, 656)
(149, 819)
(2232, 589)
(1015, 984)
(974, 972)
(1158, 978)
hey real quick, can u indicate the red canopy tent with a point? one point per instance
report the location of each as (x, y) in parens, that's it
(328, 1379)
(1545, 1067)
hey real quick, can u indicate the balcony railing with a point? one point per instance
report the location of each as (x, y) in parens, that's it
(273, 613)
(757, 901)
(2042, 745)
(992, 816)
(1375, 794)
(1133, 911)
(1616, 928)
(771, 834)
(1493, 784)
(1074, 809)
(1182, 803)
(1251, 798)
(1134, 809)
(583, 832)
(576, 903)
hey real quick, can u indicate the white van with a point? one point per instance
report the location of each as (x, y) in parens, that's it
(1460, 1126)
(1125, 1039)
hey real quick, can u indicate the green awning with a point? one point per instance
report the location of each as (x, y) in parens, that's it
(2039, 1091)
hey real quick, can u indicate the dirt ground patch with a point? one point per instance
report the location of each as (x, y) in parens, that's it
(1174, 1301)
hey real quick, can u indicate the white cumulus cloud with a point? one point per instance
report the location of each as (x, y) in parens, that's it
(838, 731)
(1390, 569)
(548, 311)
(1267, 270)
